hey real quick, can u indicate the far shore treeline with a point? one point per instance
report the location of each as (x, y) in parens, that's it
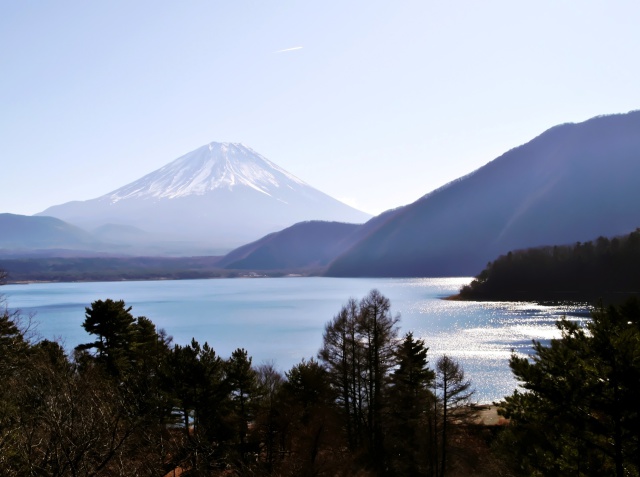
(130, 402)
(104, 269)
(604, 268)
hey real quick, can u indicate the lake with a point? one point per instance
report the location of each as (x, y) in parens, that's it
(281, 320)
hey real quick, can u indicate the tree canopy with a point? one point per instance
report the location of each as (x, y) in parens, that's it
(127, 402)
(578, 412)
(600, 269)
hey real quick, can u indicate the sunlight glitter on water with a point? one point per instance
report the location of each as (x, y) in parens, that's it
(482, 336)
(282, 320)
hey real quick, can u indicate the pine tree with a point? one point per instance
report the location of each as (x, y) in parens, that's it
(112, 324)
(241, 379)
(578, 413)
(410, 399)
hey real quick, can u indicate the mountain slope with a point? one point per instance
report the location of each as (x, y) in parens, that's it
(302, 246)
(221, 194)
(572, 183)
(22, 232)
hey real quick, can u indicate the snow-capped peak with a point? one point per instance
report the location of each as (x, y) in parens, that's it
(210, 167)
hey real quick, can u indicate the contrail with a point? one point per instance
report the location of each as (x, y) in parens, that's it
(289, 49)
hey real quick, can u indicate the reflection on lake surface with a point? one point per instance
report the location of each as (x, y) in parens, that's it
(282, 319)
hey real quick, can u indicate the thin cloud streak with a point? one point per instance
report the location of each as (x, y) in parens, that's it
(289, 49)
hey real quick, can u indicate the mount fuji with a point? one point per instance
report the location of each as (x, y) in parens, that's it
(212, 199)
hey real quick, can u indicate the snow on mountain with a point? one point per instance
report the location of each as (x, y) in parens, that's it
(210, 167)
(213, 199)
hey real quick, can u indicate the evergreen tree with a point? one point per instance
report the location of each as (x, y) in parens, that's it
(241, 379)
(14, 354)
(579, 411)
(13, 344)
(270, 410)
(112, 324)
(194, 376)
(313, 438)
(410, 399)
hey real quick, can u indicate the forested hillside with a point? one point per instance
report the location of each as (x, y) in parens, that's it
(602, 268)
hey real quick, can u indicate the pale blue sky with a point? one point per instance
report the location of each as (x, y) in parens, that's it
(373, 102)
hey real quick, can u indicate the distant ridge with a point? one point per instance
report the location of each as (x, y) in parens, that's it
(22, 232)
(220, 196)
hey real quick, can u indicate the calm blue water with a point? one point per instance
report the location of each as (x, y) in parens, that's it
(281, 320)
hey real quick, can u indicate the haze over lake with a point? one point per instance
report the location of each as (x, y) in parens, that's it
(282, 319)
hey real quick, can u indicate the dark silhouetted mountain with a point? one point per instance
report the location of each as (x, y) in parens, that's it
(219, 196)
(572, 183)
(302, 246)
(305, 245)
(23, 232)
